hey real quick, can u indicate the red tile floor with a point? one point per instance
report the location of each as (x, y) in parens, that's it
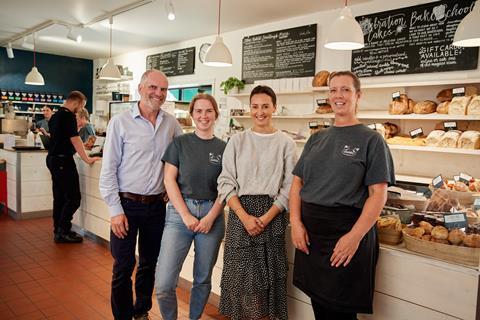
(43, 280)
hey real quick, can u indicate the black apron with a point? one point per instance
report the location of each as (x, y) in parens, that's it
(342, 289)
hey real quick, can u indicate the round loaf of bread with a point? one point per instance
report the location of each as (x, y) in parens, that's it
(440, 233)
(456, 236)
(425, 107)
(320, 78)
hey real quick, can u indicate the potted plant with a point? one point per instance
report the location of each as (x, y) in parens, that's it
(232, 83)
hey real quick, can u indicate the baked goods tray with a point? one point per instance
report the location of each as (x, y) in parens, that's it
(457, 254)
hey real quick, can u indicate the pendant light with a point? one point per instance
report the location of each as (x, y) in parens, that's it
(345, 33)
(218, 54)
(34, 77)
(170, 11)
(109, 70)
(468, 31)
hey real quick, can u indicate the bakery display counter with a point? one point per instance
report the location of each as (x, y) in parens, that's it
(29, 184)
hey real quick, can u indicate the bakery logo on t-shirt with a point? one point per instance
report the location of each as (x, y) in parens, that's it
(350, 151)
(215, 159)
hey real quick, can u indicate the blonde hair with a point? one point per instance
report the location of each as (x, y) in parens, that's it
(205, 96)
(83, 113)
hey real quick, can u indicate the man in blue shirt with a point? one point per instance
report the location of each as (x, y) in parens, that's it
(131, 183)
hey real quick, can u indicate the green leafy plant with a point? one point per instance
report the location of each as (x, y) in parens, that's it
(231, 83)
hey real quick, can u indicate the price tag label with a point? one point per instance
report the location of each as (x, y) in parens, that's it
(450, 125)
(313, 124)
(476, 204)
(459, 92)
(396, 95)
(321, 102)
(456, 178)
(456, 220)
(464, 177)
(416, 133)
(372, 126)
(437, 182)
(326, 124)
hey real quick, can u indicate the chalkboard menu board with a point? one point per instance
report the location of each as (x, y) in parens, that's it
(286, 53)
(173, 63)
(415, 39)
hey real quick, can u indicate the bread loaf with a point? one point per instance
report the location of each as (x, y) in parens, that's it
(445, 95)
(434, 138)
(458, 106)
(324, 108)
(474, 106)
(472, 240)
(391, 129)
(450, 139)
(411, 105)
(439, 232)
(443, 107)
(469, 140)
(400, 105)
(425, 107)
(406, 141)
(320, 78)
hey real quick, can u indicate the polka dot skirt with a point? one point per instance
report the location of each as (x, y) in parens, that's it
(254, 277)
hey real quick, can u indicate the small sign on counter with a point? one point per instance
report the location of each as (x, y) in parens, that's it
(456, 220)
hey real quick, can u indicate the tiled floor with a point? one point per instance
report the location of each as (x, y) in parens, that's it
(43, 280)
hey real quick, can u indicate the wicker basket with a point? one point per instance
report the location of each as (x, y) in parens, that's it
(389, 236)
(405, 214)
(457, 254)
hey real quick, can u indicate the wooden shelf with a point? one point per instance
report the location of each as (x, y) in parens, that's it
(434, 149)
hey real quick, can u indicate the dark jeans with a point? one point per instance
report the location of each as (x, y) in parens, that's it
(322, 313)
(66, 191)
(146, 220)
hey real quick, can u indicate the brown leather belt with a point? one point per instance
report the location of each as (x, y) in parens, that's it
(145, 199)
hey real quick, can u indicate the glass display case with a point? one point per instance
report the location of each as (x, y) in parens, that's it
(116, 107)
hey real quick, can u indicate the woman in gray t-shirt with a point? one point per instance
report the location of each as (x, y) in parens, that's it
(338, 190)
(193, 162)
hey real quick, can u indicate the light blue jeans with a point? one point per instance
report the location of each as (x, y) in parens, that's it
(176, 242)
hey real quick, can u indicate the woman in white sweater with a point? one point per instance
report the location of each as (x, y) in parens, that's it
(255, 182)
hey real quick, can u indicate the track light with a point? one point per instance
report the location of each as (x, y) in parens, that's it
(10, 51)
(74, 36)
(27, 45)
(170, 10)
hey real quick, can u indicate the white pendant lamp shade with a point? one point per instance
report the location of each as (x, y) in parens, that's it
(34, 78)
(218, 54)
(110, 70)
(345, 33)
(468, 31)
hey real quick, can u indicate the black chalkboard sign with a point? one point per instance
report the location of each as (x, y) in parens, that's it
(173, 63)
(286, 53)
(415, 39)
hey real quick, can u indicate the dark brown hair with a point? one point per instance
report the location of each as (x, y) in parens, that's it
(76, 96)
(356, 80)
(265, 90)
(205, 96)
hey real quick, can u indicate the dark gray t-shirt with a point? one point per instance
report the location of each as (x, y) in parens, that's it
(338, 164)
(199, 163)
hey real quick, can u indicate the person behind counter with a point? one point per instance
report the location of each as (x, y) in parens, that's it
(192, 164)
(85, 128)
(42, 125)
(255, 181)
(338, 190)
(64, 142)
(131, 183)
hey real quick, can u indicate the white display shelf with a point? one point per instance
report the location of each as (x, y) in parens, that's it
(434, 149)
(33, 102)
(446, 82)
(278, 93)
(378, 115)
(122, 79)
(28, 112)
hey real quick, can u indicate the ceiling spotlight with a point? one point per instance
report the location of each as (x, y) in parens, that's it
(170, 11)
(74, 36)
(10, 51)
(27, 45)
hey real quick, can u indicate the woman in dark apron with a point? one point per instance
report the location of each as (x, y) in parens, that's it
(339, 188)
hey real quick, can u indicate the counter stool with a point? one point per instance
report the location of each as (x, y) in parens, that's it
(3, 185)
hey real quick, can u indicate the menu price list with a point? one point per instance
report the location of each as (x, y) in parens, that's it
(415, 39)
(286, 53)
(173, 63)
